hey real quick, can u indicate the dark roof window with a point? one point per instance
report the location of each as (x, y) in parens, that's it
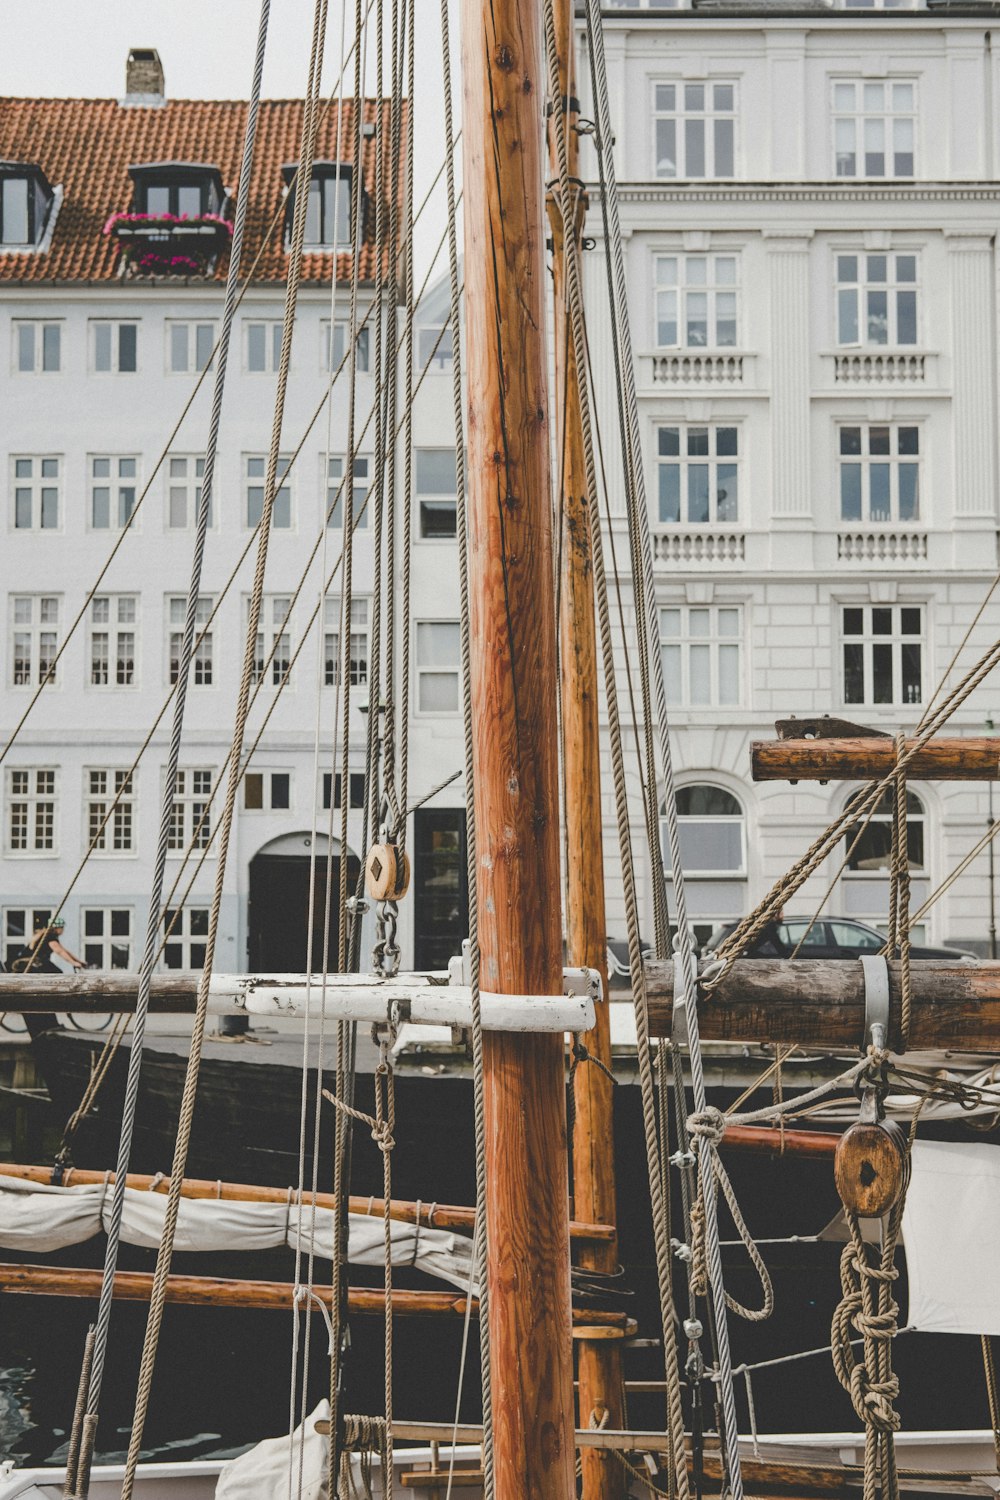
(25, 204)
(328, 212)
(177, 188)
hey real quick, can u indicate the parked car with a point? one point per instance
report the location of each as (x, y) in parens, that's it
(829, 937)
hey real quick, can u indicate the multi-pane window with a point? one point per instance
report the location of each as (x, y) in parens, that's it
(273, 655)
(36, 494)
(263, 347)
(34, 637)
(437, 489)
(877, 299)
(882, 648)
(110, 812)
(189, 347)
(328, 211)
(255, 474)
(190, 812)
(113, 619)
(700, 646)
(438, 658)
(16, 203)
(201, 661)
(869, 848)
(267, 791)
(879, 473)
(185, 931)
(340, 332)
(434, 349)
(19, 923)
(115, 347)
(698, 475)
(331, 641)
(712, 827)
(356, 789)
(107, 936)
(695, 129)
(695, 301)
(112, 492)
(334, 491)
(874, 126)
(31, 811)
(184, 485)
(37, 348)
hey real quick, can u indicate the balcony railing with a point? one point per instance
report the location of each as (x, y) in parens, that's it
(694, 547)
(693, 368)
(882, 546)
(878, 369)
(169, 244)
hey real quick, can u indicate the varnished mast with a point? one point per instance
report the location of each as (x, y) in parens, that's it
(516, 777)
(599, 1362)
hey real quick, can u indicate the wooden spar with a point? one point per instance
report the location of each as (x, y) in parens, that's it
(599, 1361)
(515, 748)
(765, 1140)
(973, 759)
(433, 1215)
(821, 1003)
(219, 1291)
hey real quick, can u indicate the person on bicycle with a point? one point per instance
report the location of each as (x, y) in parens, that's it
(46, 943)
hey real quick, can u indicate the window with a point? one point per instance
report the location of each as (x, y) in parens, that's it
(328, 211)
(274, 651)
(18, 924)
(177, 189)
(185, 932)
(36, 494)
(434, 349)
(700, 647)
(115, 348)
(695, 301)
(31, 812)
(695, 129)
(37, 348)
(201, 661)
(437, 488)
(34, 638)
(190, 813)
(110, 812)
(184, 487)
(438, 657)
(334, 488)
(873, 128)
(331, 641)
(189, 347)
(440, 886)
(698, 475)
(112, 492)
(107, 936)
(712, 830)
(263, 349)
(356, 789)
(876, 300)
(339, 339)
(112, 640)
(872, 854)
(883, 653)
(267, 791)
(879, 473)
(256, 473)
(25, 203)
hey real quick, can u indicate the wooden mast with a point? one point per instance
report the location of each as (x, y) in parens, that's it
(515, 752)
(599, 1361)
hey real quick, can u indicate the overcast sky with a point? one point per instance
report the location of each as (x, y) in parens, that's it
(79, 47)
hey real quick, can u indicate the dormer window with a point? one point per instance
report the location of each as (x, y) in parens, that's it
(25, 201)
(328, 212)
(177, 190)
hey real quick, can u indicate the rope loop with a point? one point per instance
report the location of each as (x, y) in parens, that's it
(706, 1128)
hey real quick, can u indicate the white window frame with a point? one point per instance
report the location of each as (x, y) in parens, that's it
(682, 113)
(115, 638)
(37, 488)
(436, 361)
(202, 673)
(119, 486)
(360, 640)
(272, 345)
(264, 780)
(869, 464)
(115, 327)
(40, 362)
(687, 462)
(693, 819)
(188, 945)
(328, 365)
(97, 949)
(868, 639)
(684, 293)
(36, 796)
(336, 465)
(442, 500)
(284, 494)
(863, 291)
(424, 670)
(196, 356)
(330, 787)
(192, 793)
(41, 628)
(854, 120)
(14, 940)
(716, 645)
(275, 627)
(101, 785)
(185, 474)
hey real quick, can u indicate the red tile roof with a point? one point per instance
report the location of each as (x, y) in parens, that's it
(86, 146)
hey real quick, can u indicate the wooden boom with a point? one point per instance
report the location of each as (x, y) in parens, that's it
(973, 759)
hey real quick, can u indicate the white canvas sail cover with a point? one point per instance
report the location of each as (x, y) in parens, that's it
(951, 1230)
(37, 1218)
(295, 1464)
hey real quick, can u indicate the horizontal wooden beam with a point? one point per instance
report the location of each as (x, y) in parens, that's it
(765, 1140)
(433, 1215)
(973, 759)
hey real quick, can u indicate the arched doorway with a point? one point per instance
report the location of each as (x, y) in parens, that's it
(278, 908)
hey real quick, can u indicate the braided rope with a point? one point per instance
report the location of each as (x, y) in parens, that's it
(706, 1130)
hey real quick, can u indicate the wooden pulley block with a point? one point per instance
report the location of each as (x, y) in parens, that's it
(387, 873)
(869, 1167)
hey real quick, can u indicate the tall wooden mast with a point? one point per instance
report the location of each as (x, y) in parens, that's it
(514, 697)
(599, 1363)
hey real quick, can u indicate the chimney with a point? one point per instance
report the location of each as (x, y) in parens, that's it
(144, 75)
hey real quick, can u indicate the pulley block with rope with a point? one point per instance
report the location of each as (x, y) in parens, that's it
(869, 1167)
(387, 872)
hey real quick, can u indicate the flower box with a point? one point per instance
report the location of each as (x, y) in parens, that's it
(169, 244)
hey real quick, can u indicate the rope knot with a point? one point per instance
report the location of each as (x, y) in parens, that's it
(707, 1125)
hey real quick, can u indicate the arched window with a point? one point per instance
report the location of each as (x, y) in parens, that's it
(712, 827)
(869, 862)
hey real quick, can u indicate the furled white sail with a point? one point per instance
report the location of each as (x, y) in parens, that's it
(951, 1229)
